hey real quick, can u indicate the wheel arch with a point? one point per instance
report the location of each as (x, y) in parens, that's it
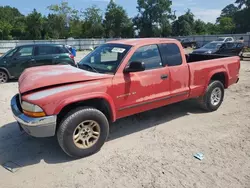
(104, 104)
(6, 71)
(220, 76)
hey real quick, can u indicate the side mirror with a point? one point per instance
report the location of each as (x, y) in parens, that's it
(135, 66)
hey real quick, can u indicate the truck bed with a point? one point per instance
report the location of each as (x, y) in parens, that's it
(202, 67)
(192, 58)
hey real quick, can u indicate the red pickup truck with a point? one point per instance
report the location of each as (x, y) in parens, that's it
(117, 79)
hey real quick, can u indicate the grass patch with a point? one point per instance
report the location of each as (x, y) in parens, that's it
(247, 50)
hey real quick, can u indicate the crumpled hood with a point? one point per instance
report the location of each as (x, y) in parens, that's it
(45, 76)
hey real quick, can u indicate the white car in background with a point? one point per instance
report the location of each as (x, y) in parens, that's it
(225, 39)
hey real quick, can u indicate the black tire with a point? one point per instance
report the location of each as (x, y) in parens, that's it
(71, 121)
(4, 78)
(206, 102)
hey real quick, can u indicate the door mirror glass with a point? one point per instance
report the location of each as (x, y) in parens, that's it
(135, 66)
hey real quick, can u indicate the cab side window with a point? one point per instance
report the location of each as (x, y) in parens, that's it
(171, 54)
(230, 45)
(240, 45)
(25, 51)
(149, 55)
(59, 50)
(44, 50)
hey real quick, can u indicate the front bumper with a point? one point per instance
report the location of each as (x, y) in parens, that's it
(37, 127)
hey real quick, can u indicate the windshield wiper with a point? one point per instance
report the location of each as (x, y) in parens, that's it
(87, 65)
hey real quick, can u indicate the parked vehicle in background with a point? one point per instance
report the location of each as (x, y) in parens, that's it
(231, 48)
(241, 39)
(187, 43)
(225, 39)
(16, 60)
(227, 48)
(209, 48)
(116, 80)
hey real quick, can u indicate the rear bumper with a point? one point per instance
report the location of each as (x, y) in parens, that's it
(37, 127)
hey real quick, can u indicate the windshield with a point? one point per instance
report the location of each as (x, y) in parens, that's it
(212, 45)
(10, 52)
(220, 39)
(105, 59)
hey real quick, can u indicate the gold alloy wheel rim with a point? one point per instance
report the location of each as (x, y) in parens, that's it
(86, 134)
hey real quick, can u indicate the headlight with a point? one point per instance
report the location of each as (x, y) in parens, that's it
(32, 110)
(208, 52)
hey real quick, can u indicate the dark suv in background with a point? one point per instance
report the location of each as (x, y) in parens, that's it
(16, 60)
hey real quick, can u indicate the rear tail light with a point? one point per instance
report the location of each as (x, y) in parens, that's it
(71, 56)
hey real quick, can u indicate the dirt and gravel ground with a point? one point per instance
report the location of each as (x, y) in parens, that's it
(152, 149)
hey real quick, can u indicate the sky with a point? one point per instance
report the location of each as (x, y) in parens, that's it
(208, 11)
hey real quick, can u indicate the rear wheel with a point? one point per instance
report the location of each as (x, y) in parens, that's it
(83, 132)
(213, 97)
(3, 77)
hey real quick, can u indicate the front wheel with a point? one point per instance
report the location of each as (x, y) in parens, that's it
(3, 77)
(83, 132)
(213, 97)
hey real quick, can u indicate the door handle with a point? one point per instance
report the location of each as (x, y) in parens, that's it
(164, 76)
(32, 60)
(56, 57)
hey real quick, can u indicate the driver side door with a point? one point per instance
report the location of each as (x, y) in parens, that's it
(22, 59)
(136, 92)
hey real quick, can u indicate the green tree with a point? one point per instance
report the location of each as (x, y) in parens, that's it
(212, 29)
(19, 28)
(116, 21)
(241, 21)
(151, 14)
(242, 3)
(226, 25)
(184, 25)
(128, 30)
(11, 23)
(67, 18)
(93, 27)
(9, 14)
(76, 28)
(34, 25)
(5, 30)
(200, 27)
(165, 26)
(63, 10)
(228, 11)
(55, 26)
